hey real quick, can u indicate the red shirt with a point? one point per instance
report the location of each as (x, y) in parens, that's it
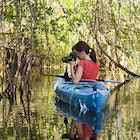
(90, 69)
(87, 131)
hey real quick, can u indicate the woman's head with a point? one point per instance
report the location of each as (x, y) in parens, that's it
(82, 46)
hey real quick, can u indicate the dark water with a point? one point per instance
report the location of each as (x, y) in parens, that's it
(35, 116)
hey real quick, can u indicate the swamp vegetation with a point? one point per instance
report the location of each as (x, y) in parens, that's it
(36, 34)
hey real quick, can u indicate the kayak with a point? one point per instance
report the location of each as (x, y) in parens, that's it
(94, 119)
(90, 95)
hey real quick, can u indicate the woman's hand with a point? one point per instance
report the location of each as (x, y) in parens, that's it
(75, 75)
(72, 63)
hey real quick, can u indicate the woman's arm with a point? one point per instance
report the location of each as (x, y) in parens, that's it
(76, 76)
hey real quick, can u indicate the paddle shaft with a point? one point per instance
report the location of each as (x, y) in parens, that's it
(82, 80)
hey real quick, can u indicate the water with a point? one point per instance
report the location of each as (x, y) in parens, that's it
(34, 117)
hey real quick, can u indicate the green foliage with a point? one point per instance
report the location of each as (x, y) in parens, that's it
(53, 27)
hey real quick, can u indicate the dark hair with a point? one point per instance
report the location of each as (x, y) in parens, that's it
(83, 46)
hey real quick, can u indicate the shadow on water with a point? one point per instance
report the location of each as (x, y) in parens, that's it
(28, 112)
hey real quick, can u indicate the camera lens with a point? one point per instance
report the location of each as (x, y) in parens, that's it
(66, 59)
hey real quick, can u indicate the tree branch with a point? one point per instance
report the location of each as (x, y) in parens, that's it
(112, 60)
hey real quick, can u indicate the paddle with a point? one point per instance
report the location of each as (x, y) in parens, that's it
(82, 80)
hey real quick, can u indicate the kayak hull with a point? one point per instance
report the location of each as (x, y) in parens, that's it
(92, 96)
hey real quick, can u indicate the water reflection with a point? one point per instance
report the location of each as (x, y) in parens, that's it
(124, 104)
(32, 117)
(95, 120)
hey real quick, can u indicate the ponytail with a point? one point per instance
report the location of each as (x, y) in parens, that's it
(92, 55)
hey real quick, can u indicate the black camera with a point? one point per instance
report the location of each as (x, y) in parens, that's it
(71, 56)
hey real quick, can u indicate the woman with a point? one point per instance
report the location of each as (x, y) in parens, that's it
(86, 68)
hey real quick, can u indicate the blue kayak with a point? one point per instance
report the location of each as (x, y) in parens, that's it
(92, 96)
(94, 119)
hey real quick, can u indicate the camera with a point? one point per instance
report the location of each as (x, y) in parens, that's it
(71, 56)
